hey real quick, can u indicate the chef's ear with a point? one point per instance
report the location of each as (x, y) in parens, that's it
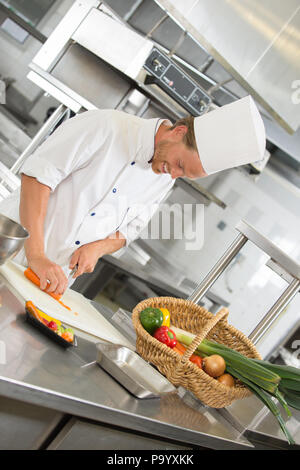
(180, 131)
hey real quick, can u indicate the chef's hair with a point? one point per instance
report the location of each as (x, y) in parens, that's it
(189, 137)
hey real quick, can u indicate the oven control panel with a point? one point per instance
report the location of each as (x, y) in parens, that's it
(174, 81)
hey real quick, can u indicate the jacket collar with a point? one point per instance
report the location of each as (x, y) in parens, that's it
(145, 140)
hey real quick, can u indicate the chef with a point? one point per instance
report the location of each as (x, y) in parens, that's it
(94, 184)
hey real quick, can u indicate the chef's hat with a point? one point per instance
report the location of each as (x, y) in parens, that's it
(230, 136)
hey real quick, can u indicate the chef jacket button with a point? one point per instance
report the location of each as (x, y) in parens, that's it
(93, 213)
(77, 242)
(132, 163)
(114, 190)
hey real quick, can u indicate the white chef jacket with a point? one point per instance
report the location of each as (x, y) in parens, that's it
(97, 166)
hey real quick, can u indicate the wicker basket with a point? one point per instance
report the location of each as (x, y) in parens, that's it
(178, 369)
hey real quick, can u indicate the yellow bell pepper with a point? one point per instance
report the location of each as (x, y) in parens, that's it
(166, 315)
(47, 317)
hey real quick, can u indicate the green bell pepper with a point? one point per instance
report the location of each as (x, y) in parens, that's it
(151, 319)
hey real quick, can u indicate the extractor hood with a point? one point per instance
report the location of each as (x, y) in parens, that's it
(256, 41)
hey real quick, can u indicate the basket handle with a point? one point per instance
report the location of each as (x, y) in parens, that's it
(223, 313)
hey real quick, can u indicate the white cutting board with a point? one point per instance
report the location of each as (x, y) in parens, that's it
(82, 315)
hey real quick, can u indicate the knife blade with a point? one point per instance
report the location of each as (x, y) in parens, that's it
(73, 271)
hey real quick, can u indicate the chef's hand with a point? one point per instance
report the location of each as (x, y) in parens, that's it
(49, 273)
(86, 258)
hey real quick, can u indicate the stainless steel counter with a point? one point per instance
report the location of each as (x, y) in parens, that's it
(35, 370)
(39, 372)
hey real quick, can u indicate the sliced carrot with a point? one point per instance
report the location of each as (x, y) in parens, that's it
(32, 309)
(36, 280)
(64, 305)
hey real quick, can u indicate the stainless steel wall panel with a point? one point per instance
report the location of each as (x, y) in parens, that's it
(90, 77)
(184, 6)
(217, 73)
(120, 7)
(191, 52)
(257, 41)
(274, 72)
(146, 16)
(236, 88)
(167, 34)
(288, 143)
(239, 30)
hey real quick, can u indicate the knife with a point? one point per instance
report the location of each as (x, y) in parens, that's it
(72, 272)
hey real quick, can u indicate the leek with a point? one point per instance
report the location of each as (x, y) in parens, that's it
(292, 398)
(267, 400)
(282, 400)
(285, 372)
(290, 384)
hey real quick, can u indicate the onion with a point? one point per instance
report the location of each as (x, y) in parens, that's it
(226, 379)
(214, 365)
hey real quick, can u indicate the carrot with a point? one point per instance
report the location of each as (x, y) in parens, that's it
(64, 305)
(180, 349)
(197, 360)
(32, 309)
(35, 280)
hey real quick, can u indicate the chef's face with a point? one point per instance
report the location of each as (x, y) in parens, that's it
(172, 156)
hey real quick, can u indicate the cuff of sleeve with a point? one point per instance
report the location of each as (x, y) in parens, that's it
(127, 242)
(44, 171)
(124, 234)
(130, 234)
